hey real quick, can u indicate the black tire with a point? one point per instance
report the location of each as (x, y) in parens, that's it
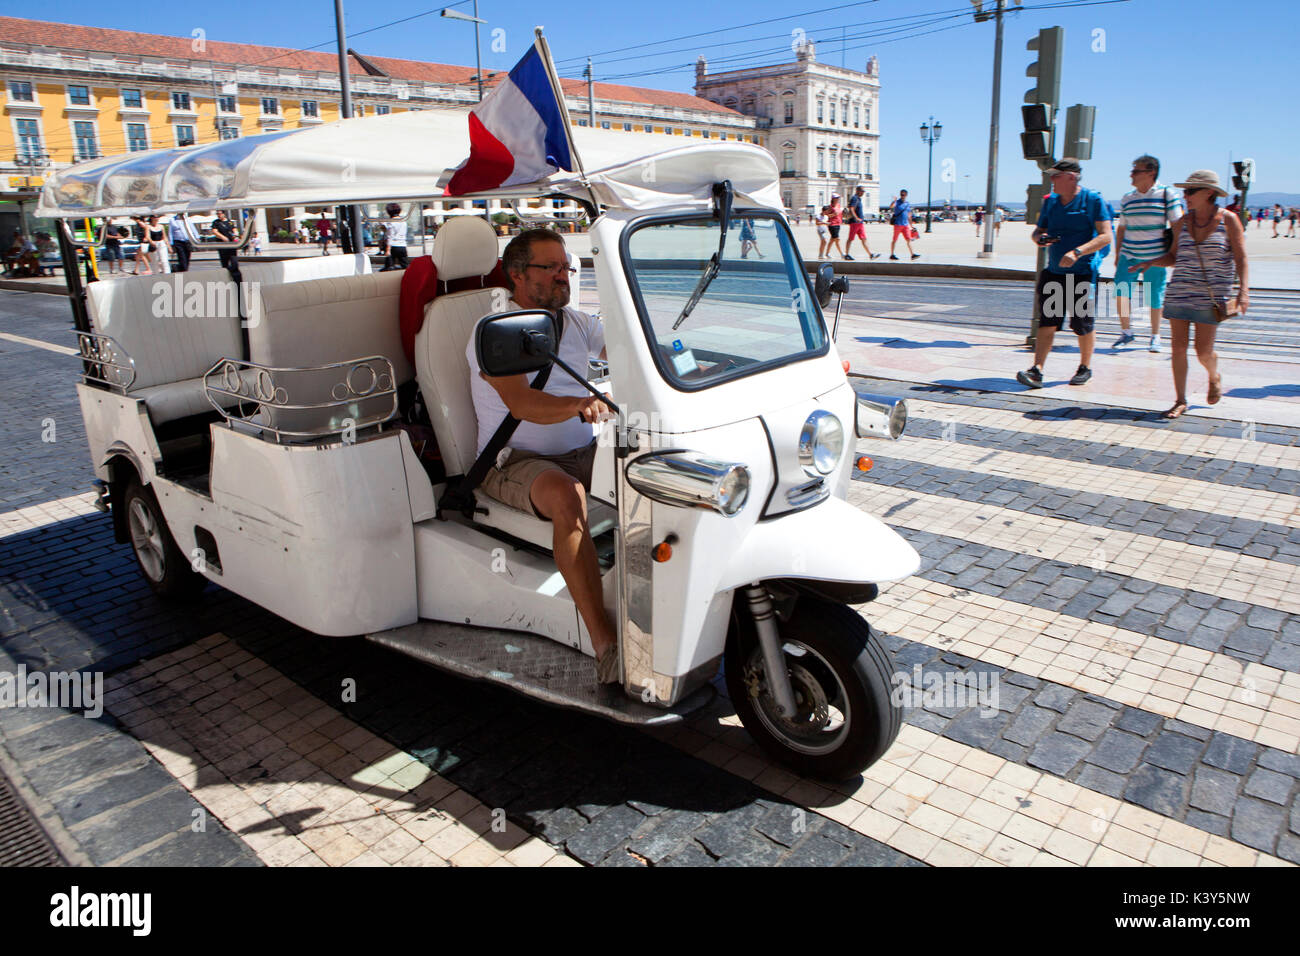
(848, 665)
(161, 563)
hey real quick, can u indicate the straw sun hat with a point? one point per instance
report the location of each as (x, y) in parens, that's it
(1203, 179)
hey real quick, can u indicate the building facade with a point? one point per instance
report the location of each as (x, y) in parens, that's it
(820, 122)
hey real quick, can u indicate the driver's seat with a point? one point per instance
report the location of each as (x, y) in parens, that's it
(466, 247)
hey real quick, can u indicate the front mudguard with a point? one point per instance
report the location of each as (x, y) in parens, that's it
(830, 542)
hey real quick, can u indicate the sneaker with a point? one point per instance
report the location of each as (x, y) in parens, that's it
(875, 255)
(847, 257)
(1081, 377)
(894, 257)
(916, 255)
(1125, 338)
(1033, 378)
(1154, 346)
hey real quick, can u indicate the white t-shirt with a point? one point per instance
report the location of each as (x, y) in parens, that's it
(583, 339)
(395, 230)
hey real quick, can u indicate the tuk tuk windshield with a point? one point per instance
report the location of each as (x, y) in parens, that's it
(755, 313)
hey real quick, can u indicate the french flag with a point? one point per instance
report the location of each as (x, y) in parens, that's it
(518, 134)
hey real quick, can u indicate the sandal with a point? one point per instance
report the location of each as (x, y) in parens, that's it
(607, 667)
(1216, 390)
(1176, 411)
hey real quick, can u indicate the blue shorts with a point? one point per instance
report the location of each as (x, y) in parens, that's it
(111, 253)
(1154, 278)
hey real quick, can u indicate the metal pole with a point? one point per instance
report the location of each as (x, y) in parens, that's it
(478, 66)
(929, 176)
(345, 105)
(591, 103)
(992, 196)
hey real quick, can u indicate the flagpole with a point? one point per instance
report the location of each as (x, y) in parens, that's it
(545, 51)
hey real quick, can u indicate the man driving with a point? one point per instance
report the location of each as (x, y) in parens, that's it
(546, 468)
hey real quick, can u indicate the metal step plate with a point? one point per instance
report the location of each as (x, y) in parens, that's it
(531, 665)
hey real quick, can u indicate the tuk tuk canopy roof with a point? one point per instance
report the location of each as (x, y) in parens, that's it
(402, 156)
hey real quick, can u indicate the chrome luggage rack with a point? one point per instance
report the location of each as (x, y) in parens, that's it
(345, 397)
(107, 363)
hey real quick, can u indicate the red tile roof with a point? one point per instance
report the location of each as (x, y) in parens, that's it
(67, 36)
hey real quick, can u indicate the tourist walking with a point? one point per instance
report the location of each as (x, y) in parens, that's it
(823, 231)
(1209, 244)
(1145, 215)
(159, 251)
(900, 217)
(834, 219)
(858, 226)
(979, 221)
(1277, 217)
(1074, 224)
(178, 235)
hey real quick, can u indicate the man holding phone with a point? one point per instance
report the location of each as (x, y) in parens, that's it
(1074, 224)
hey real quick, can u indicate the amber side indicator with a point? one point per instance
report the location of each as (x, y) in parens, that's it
(845, 363)
(662, 551)
(865, 463)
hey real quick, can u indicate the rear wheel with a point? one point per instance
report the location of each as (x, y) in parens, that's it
(840, 673)
(162, 563)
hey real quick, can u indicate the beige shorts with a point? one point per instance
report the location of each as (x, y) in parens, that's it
(512, 485)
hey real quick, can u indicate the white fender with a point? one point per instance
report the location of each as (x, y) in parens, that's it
(832, 541)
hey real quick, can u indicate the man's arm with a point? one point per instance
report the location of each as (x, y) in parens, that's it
(531, 405)
(1102, 239)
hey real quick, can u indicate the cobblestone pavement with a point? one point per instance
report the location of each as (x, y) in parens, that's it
(1127, 591)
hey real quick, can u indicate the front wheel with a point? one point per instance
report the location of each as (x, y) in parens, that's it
(840, 673)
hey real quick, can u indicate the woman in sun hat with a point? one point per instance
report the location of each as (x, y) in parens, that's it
(1207, 245)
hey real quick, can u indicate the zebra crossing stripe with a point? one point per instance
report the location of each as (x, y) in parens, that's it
(1175, 492)
(1244, 449)
(1248, 700)
(949, 804)
(1235, 576)
(22, 520)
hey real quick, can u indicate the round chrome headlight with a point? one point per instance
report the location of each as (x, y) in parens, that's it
(821, 442)
(733, 490)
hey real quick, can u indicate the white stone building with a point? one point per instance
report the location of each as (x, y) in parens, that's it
(821, 122)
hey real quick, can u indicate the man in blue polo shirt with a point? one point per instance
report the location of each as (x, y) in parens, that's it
(1075, 225)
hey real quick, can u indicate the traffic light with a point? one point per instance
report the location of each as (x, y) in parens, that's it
(1047, 68)
(1243, 174)
(1078, 131)
(1034, 197)
(1036, 140)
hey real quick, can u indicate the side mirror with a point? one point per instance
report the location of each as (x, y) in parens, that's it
(515, 343)
(822, 283)
(841, 285)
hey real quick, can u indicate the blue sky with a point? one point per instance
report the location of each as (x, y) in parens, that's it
(1168, 77)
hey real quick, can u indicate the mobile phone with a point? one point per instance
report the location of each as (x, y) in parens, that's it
(1048, 240)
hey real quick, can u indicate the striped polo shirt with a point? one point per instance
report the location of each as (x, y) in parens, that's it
(1144, 217)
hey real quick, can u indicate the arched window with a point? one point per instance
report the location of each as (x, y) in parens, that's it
(821, 111)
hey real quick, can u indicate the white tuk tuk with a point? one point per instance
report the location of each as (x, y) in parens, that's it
(241, 425)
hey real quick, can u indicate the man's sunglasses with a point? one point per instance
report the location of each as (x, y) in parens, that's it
(556, 268)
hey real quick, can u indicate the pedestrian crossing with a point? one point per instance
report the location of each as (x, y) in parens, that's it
(943, 794)
(946, 802)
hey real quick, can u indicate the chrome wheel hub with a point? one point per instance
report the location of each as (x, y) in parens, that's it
(146, 539)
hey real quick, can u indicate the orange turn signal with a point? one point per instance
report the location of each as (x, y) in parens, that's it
(865, 463)
(845, 363)
(662, 551)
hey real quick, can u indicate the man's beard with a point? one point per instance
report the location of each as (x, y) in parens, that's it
(558, 298)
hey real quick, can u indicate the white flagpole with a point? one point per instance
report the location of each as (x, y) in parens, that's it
(545, 51)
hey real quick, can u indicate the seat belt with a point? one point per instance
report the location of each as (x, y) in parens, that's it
(459, 495)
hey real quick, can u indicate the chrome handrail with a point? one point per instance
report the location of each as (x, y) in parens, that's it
(265, 390)
(104, 356)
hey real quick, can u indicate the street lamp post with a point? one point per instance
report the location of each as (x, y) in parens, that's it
(930, 135)
(478, 66)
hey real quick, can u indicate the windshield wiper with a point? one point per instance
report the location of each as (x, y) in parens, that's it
(722, 197)
(710, 273)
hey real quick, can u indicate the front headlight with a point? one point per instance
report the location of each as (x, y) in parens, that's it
(821, 442)
(690, 480)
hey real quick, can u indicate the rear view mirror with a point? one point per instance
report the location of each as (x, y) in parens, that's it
(827, 283)
(515, 343)
(822, 284)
